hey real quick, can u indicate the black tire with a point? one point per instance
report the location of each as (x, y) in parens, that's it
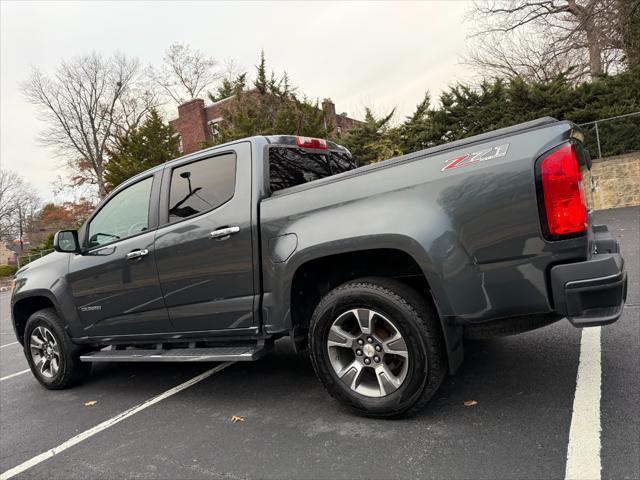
(71, 370)
(416, 321)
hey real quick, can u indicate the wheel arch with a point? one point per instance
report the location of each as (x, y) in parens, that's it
(314, 278)
(26, 306)
(317, 275)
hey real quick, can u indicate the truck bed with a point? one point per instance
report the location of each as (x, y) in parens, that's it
(474, 231)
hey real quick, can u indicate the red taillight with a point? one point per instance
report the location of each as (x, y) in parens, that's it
(308, 142)
(564, 200)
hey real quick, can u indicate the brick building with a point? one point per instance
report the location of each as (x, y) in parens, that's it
(197, 123)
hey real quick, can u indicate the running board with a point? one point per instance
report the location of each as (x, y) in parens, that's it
(245, 353)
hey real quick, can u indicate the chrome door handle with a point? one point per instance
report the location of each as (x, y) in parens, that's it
(137, 254)
(224, 232)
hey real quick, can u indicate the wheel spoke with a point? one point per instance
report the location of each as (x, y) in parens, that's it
(55, 365)
(387, 381)
(340, 338)
(49, 336)
(43, 365)
(36, 339)
(351, 374)
(365, 319)
(396, 346)
(37, 357)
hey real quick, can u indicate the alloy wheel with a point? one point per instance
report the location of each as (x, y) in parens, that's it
(367, 352)
(45, 351)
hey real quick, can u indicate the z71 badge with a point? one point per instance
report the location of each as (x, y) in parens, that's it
(476, 157)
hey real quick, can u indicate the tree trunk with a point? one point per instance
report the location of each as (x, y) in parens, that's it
(595, 51)
(585, 15)
(629, 29)
(102, 188)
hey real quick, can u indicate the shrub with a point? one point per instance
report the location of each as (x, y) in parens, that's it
(7, 270)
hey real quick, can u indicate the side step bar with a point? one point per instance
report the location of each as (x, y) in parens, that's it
(244, 353)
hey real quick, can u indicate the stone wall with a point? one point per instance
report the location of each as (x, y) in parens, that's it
(616, 181)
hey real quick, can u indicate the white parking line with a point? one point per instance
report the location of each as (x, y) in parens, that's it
(14, 375)
(8, 344)
(583, 453)
(108, 423)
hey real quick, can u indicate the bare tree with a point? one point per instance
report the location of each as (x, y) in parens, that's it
(231, 69)
(519, 55)
(542, 38)
(629, 30)
(186, 73)
(86, 103)
(18, 203)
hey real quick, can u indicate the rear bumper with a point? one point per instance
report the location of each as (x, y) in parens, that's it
(593, 292)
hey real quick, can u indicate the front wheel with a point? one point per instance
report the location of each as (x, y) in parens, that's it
(376, 346)
(52, 357)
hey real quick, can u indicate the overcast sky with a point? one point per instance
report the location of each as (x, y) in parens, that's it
(379, 54)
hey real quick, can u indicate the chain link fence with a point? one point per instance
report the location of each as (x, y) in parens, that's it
(612, 136)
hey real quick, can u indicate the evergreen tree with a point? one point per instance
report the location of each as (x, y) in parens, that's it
(372, 141)
(417, 131)
(272, 107)
(144, 147)
(229, 87)
(465, 110)
(261, 82)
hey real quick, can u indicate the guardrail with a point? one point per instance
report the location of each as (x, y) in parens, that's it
(612, 136)
(30, 257)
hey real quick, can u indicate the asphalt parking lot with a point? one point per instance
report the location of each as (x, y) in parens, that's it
(520, 428)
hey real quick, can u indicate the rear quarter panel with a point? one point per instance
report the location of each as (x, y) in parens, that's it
(474, 231)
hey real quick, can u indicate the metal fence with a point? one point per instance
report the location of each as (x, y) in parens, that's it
(612, 136)
(30, 257)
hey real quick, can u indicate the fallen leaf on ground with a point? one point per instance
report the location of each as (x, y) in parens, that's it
(237, 418)
(90, 403)
(470, 403)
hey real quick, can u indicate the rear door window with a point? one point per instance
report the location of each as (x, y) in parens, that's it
(201, 186)
(290, 166)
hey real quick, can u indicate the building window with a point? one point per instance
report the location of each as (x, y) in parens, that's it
(214, 127)
(180, 144)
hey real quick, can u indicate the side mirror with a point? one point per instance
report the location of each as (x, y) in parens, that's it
(66, 241)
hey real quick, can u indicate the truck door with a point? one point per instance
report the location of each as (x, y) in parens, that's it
(114, 282)
(204, 249)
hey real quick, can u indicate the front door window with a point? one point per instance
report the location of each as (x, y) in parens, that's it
(124, 215)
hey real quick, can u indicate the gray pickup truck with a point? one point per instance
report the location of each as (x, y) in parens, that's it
(382, 270)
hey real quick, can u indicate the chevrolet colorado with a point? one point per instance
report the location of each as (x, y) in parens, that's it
(383, 270)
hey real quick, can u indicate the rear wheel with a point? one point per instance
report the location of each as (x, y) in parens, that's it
(376, 346)
(52, 357)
